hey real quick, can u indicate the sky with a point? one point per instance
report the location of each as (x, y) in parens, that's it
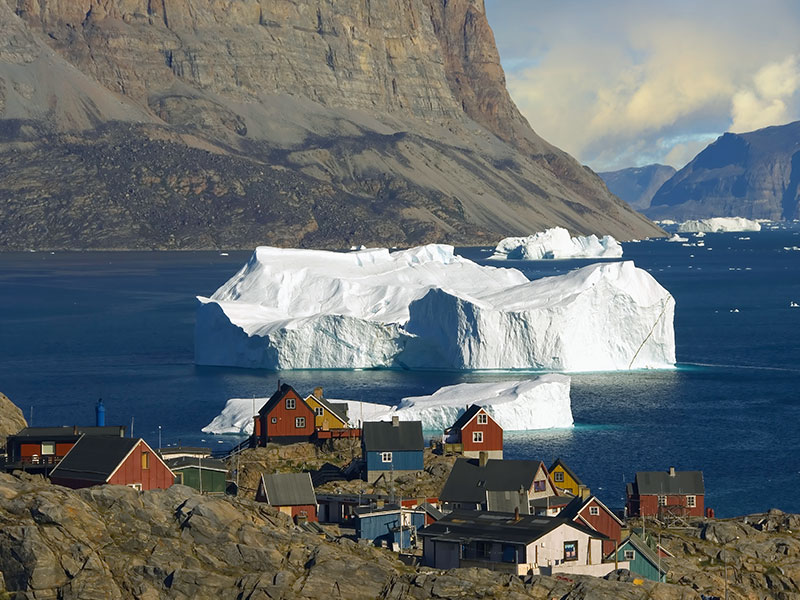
(623, 83)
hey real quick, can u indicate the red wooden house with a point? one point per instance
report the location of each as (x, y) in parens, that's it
(475, 431)
(666, 493)
(285, 418)
(291, 493)
(39, 449)
(596, 515)
(115, 460)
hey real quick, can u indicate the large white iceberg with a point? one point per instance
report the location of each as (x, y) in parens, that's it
(426, 308)
(557, 243)
(719, 224)
(541, 403)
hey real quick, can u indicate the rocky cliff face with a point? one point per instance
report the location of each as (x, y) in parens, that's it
(754, 175)
(134, 123)
(637, 185)
(11, 419)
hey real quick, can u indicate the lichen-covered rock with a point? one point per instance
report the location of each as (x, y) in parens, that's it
(11, 419)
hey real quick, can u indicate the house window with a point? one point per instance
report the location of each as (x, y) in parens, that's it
(136, 486)
(630, 555)
(319, 411)
(48, 448)
(179, 478)
(691, 501)
(571, 550)
(594, 511)
(482, 550)
(386, 457)
(274, 420)
(539, 486)
(483, 419)
(477, 437)
(145, 460)
(662, 500)
(300, 422)
(558, 477)
(290, 404)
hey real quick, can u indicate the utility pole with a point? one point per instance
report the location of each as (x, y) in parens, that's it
(159, 438)
(200, 470)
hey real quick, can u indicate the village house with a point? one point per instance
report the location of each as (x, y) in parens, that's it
(341, 508)
(330, 418)
(475, 431)
(643, 560)
(95, 460)
(392, 448)
(514, 543)
(389, 525)
(566, 480)
(666, 494)
(39, 449)
(284, 419)
(596, 515)
(496, 485)
(550, 506)
(291, 493)
(206, 475)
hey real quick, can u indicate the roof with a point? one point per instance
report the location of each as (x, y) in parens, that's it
(464, 526)
(567, 470)
(379, 436)
(339, 409)
(94, 458)
(576, 506)
(69, 431)
(187, 462)
(288, 489)
(169, 450)
(468, 481)
(662, 483)
(432, 511)
(273, 401)
(465, 418)
(552, 501)
(641, 546)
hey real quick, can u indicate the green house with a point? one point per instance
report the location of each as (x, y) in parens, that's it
(643, 559)
(206, 475)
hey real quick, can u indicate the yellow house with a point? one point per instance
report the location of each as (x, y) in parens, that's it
(566, 480)
(327, 416)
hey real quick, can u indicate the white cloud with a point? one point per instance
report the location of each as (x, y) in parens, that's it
(770, 100)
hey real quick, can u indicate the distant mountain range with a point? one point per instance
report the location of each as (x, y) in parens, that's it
(637, 185)
(296, 123)
(754, 175)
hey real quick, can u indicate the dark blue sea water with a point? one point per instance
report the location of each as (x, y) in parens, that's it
(119, 325)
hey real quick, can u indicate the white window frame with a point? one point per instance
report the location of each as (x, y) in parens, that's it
(386, 457)
(691, 501)
(274, 420)
(319, 411)
(483, 419)
(477, 437)
(299, 422)
(51, 445)
(662, 500)
(291, 404)
(136, 486)
(629, 555)
(594, 511)
(558, 476)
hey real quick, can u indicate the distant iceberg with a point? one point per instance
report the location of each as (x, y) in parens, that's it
(426, 308)
(556, 243)
(541, 403)
(676, 238)
(719, 224)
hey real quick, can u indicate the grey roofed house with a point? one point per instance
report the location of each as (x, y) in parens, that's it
(94, 458)
(381, 436)
(337, 408)
(464, 418)
(665, 483)
(469, 482)
(577, 504)
(208, 464)
(471, 525)
(69, 431)
(286, 489)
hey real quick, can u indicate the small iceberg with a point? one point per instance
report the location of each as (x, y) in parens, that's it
(676, 238)
(556, 243)
(793, 304)
(719, 224)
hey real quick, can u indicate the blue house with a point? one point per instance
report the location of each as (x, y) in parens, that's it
(389, 525)
(392, 448)
(643, 559)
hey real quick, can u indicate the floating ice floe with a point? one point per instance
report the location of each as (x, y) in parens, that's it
(541, 403)
(793, 304)
(426, 308)
(792, 248)
(676, 238)
(719, 224)
(556, 243)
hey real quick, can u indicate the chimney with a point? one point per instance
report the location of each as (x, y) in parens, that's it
(318, 393)
(100, 413)
(74, 430)
(279, 385)
(483, 458)
(672, 471)
(395, 421)
(516, 514)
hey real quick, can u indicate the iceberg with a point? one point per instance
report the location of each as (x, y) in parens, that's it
(426, 308)
(541, 403)
(676, 238)
(556, 243)
(719, 224)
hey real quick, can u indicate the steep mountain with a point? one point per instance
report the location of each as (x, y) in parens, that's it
(139, 124)
(637, 185)
(754, 175)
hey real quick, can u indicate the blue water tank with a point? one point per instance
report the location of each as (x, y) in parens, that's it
(100, 412)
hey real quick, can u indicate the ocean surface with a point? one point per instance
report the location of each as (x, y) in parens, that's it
(75, 327)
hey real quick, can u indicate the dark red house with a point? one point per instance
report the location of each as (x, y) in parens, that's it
(475, 431)
(666, 493)
(115, 460)
(285, 418)
(291, 493)
(39, 449)
(596, 515)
